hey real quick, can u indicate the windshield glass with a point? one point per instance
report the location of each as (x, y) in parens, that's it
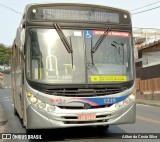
(48, 61)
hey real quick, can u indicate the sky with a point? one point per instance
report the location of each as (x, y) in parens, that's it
(9, 20)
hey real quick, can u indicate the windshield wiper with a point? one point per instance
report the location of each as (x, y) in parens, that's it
(117, 50)
(119, 45)
(63, 38)
(65, 41)
(113, 52)
(92, 60)
(71, 52)
(99, 41)
(101, 38)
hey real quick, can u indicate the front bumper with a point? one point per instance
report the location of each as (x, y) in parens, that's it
(61, 118)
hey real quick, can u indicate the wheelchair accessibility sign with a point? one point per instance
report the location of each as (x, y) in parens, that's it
(88, 33)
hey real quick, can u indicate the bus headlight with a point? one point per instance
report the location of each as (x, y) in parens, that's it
(119, 105)
(51, 108)
(132, 97)
(125, 102)
(33, 99)
(41, 105)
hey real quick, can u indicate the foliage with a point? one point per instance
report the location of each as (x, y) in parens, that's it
(5, 55)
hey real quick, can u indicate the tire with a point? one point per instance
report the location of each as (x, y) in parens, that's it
(29, 131)
(103, 128)
(15, 112)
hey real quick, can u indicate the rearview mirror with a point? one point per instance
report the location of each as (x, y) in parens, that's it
(22, 39)
(135, 53)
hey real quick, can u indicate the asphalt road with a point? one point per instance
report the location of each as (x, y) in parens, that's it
(147, 121)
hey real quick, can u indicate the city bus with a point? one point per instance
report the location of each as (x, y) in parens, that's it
(73, 66)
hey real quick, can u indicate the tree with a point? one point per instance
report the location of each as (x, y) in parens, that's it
(5, 55)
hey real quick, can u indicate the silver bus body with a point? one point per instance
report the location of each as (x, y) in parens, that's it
(78, 104)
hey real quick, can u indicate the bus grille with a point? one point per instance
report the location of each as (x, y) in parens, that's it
(84, 92)
(81, 107)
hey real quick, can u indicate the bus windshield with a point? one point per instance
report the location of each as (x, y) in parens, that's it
(48, 61)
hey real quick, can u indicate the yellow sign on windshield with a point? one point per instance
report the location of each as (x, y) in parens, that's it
(108, 78)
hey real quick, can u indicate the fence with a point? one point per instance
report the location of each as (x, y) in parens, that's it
(148, 82)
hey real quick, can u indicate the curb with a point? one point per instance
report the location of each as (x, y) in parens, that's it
(145, 103)
(1, 85)
(3, 118)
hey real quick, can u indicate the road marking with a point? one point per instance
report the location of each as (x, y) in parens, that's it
(6, 97)
(8, 100)
(145, 105)
(148, 119)
(151, 107)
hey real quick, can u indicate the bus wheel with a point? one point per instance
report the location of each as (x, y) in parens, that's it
(15, 112)
(103, 128)
(31, 131)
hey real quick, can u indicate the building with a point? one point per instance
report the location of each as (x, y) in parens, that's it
(148, 71)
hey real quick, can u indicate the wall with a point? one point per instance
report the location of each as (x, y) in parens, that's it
(148, 82)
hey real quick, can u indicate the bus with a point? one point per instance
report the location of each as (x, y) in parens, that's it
(73, 66)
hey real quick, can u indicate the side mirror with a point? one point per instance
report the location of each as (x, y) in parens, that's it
(135, 53)
(22, 40)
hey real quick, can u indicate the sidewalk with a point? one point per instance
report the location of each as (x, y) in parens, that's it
(148, 102)
(1, 86)
(3, 118)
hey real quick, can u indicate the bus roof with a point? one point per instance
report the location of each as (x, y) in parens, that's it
(76, 4)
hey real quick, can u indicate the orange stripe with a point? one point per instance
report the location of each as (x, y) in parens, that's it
(148, 119)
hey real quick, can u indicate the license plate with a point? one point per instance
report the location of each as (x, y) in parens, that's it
(87, 117)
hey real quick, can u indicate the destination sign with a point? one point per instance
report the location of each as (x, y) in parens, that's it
(80, 15)
(44, 14)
